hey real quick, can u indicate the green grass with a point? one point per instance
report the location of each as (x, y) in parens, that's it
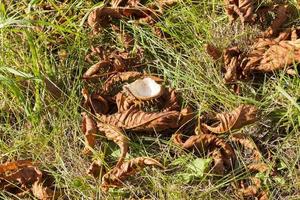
(34, 125)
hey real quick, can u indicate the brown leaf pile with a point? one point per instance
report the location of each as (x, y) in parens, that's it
(272, 51)
(116, 110)
(266, 55)
(241, 116)
(113, 111)
(23, 178)
(246, 11)
(207, 141)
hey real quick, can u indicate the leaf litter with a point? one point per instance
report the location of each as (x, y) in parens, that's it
(23, 178)
(125, 101)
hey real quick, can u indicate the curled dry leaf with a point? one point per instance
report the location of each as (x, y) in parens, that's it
(269, 55)
(265, 55)
(171, 100)
(244, 9)
(251, 188)
(118, 174)
(232, 68)
(89, 128)
(94, 71)
(240, 8)
(239, 117)
(21, 177)
(94, 102)
(222, 153)
(96, 169)
(213, 51)
(281, 13)
(101, 17)
(137, 120)
(115, 134)
(248, 144)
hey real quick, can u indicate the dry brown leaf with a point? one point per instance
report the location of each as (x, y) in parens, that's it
(232, 68)
(101, 17)
(248, 144)
(94, 102)
(251, 190)
(21, 177)
(137, 120)
(117, 175)
(94, 71)
(213, 51)
(268, 56)
(115, 134)
(54, 90)
(89, 128)
(42, 192)
(240, 8)
(244, 9)
(281, 13)
(258, 167)
(222, 153)
(171, 100)
(239, 117)
(96, 169)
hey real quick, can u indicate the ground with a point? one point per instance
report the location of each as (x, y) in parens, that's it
(42, 39)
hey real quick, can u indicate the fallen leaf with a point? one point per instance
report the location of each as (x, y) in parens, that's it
(281, 13)
(248, 144)
(117, 175)
(213, 51)
(232, 65)
(94, 72)
(94, 102)
(96, 169)
(89, 128)
(137, 120)
(268, 55)
(239, 117)
(54, 90)
(251, 187)
(115, 134)
(222, 153)
(244, 9)
(101, 17)
(240, 8)
(22, 177)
